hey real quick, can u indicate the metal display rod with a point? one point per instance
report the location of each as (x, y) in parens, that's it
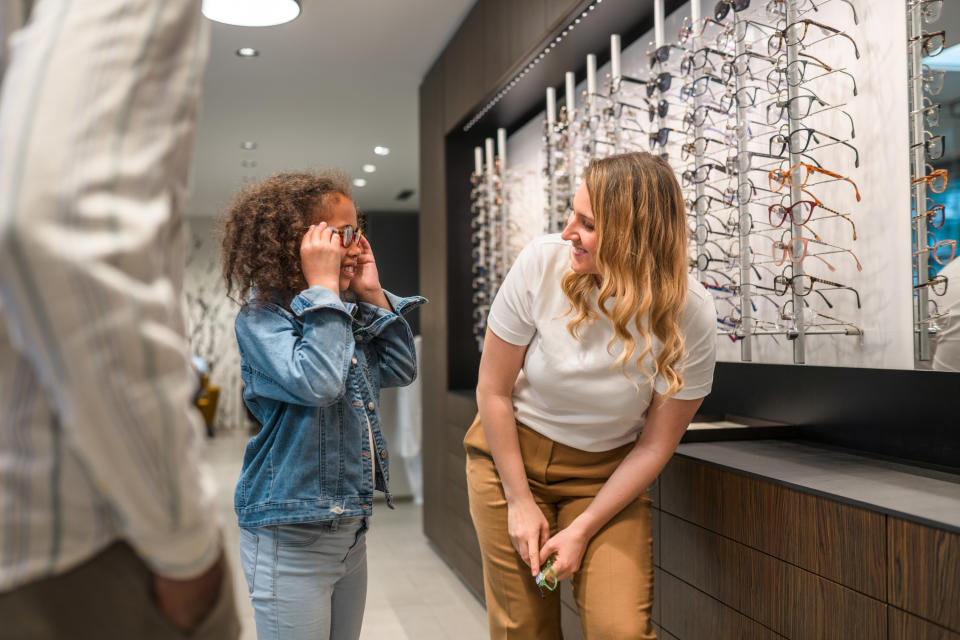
(796, 231)
(550, 142)
(746, 306)
(921, 260)
(570, 80)
(501, 230)
(699, 148)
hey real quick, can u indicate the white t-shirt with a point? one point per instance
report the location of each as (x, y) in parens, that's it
(570, 391)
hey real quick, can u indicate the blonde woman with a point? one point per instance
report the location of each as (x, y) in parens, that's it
(599, 350)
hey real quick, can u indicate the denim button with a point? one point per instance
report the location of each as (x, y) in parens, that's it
(383, 454)
(354, 361)
(370, 406)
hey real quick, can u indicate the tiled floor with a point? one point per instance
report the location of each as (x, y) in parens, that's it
(412, 594)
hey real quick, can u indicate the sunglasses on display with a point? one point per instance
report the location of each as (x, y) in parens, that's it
(722, 8)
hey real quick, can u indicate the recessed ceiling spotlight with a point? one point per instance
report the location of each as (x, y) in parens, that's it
(248, 145)
(248, 163)
(247, 52)
(251, 13)
(381, 151)
(369, 168)
(359, 182)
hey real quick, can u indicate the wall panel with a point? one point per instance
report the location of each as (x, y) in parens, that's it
(837, 541)
(925, 572)
(689, 613)
(463, 68)
(791, 601)
(903, 625)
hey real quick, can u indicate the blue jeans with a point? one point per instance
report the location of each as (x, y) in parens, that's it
(307, 580)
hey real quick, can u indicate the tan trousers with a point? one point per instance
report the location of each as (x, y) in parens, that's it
(614, 586)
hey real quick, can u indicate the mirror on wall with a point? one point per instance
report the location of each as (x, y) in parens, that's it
(939, 291)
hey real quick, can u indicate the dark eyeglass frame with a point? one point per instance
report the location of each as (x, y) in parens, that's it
(690, 63)
(690, 117)
(690, 175)
(934, 284)
(732, 67)
(933, 147)
(690, 89)
(925, 39)
(782, 282)
(690, 148)
(786, 142)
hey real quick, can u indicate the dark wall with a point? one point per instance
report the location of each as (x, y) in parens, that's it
(395, 239)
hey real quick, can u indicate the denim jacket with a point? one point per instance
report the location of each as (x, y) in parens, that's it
(313, 380)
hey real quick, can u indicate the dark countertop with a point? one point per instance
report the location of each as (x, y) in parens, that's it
(918, 494)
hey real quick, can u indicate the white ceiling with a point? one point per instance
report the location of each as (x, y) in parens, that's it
(326, 88)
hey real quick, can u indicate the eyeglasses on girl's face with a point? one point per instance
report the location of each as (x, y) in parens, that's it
(348, 235)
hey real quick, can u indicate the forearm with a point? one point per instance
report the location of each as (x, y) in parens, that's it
(500, 429)
(630, 479)
(666, 422)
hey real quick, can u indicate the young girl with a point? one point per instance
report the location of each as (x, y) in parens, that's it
(313, 364)
(599, 349)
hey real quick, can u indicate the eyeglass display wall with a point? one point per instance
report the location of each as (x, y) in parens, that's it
(787, 125)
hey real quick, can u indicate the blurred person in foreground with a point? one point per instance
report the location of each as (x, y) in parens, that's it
(108, 528)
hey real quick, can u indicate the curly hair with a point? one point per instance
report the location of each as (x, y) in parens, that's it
(641, 255)
(262, 230)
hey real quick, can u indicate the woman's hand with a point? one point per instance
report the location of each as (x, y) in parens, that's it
(366, 279)
(567, 549)
(528, 529)
(320, 257)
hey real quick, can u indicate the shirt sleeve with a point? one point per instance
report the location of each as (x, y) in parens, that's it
(91, 257)
(511, 314)
(700, 355)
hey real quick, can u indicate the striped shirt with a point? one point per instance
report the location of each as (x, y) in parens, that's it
(98, 439)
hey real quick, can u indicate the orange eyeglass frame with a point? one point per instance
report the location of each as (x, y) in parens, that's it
(783, 177)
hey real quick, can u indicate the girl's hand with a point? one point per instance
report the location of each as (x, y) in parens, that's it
(366, 279)
(528, 529)
(567, 549)
(320, 257)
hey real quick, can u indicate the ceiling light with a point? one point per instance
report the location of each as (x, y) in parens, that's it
(369, 168)
(248, 163)
(381, 151)
(248, 145)
(359, 182)
(247, 52)
(251, 13)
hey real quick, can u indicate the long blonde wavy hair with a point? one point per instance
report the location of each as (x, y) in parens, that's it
(641, 254)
